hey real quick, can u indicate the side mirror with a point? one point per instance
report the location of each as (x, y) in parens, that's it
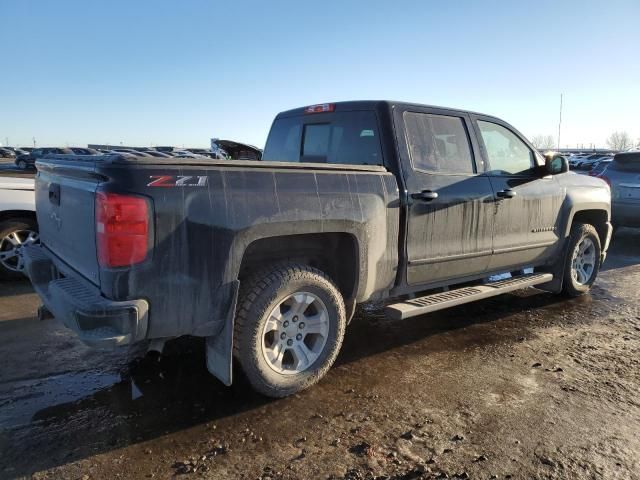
(554, 163)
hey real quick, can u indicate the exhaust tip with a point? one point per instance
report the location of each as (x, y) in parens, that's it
(155, 347)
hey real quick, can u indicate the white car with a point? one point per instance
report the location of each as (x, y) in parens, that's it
(575, 160)
(18, 226)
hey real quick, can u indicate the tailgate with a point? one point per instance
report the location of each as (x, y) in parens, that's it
(625, 187)
(629, 192)
(624, 173)
(65, 196)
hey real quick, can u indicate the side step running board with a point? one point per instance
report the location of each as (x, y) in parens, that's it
(440, 301)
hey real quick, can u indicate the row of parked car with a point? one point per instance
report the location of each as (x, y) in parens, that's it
(25, 158)
(13, 152)
(589, 161)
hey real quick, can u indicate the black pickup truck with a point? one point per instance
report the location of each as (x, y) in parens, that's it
(267, 259)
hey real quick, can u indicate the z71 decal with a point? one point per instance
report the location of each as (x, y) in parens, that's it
(177, 181)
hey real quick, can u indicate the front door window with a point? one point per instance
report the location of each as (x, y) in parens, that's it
(507, 154)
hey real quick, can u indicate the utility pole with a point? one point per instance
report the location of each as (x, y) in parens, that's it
(34, 142)
(560, 122)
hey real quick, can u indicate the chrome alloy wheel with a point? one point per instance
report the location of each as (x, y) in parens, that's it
(295, 333)
(11, 248)
(583, 261)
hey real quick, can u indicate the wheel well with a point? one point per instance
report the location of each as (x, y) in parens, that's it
(336, 254)
(597, 218)
(12, 214)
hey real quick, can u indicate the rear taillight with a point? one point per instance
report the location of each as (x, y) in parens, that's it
(122, 229)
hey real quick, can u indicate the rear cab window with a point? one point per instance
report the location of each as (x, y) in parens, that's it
(347, 138)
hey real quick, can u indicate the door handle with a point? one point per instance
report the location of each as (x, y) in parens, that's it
(506, 193)
(425, 195)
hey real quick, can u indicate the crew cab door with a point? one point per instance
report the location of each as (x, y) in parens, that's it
(527, 200)
(450, 204)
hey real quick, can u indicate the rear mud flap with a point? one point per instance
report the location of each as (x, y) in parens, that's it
(220, 346)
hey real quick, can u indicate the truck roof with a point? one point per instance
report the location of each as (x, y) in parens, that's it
(352, 105)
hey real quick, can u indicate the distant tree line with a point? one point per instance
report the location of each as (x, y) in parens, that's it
(618, 141)
(543, 142)
(621, 141)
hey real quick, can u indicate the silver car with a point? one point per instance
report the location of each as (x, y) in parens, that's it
(623, 175)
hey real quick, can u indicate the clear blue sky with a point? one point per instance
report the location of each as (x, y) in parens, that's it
(180, 72)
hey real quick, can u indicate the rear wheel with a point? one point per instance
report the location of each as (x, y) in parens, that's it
(583, 260)
(289, 328)
(15, 234)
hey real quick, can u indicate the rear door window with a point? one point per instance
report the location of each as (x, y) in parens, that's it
(350, 138)
(438, 143)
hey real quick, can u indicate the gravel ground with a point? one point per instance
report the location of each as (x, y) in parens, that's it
(527, 385)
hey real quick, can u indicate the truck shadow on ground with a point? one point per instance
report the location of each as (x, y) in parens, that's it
(151, 397)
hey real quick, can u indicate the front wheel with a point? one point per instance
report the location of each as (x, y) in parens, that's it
(582, 260)
(289, 328)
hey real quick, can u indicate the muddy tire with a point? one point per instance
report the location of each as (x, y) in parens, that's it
(288, 329)
(15, 233)
(582, 262)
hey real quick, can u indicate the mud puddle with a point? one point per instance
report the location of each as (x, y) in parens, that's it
(21, 403)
